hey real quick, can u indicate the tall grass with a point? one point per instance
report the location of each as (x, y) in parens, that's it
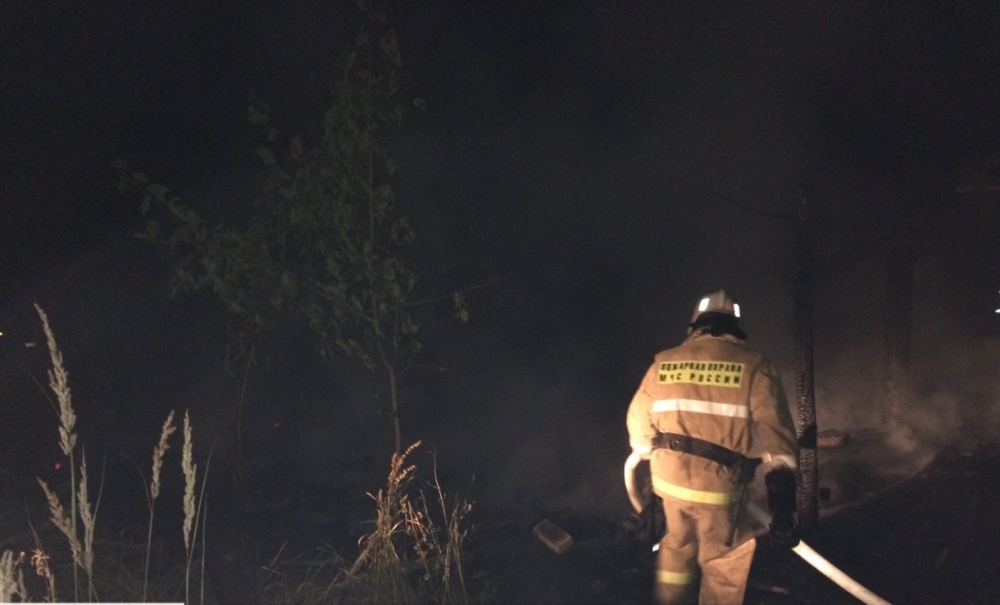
(154, 491)
(77, 523)
(413, 553)
(79, 508)
(193, 511)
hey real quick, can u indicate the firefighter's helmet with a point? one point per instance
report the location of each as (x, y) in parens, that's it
(716, 302)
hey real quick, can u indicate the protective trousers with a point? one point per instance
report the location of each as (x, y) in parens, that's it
(695, 541)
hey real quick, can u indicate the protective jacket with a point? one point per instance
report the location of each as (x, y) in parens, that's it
(712, 388)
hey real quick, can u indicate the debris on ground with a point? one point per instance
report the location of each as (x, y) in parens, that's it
(553, 536)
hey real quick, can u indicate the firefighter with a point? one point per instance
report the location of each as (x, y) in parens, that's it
(691, 418)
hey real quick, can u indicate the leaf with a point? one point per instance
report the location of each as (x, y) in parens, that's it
(267, 156)
(461, 308)
(257, 113)
(409, 327)
(151, 233)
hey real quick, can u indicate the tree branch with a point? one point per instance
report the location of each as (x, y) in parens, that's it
(427, 301)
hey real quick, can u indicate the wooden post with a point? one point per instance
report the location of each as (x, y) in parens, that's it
(808, 492)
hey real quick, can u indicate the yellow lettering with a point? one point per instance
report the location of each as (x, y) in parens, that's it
(718, 373)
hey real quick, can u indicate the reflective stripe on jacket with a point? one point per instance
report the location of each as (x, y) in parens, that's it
(711, 388)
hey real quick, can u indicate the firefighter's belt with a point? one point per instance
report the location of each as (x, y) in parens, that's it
(741, 468)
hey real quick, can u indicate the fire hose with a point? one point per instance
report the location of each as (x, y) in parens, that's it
(803, 550)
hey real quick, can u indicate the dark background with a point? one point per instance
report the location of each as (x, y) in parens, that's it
(610, 162)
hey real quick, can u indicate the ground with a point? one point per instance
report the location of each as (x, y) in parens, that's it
(919, 538)
(927, 539)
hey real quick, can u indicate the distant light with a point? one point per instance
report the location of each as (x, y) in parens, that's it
(736, 309)
(656, 547)
(29, 344)
(703, 304)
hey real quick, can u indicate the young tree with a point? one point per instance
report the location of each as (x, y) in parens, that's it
(324, 239)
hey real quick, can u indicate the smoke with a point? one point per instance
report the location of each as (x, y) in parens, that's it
(952, 395)
(954, 389)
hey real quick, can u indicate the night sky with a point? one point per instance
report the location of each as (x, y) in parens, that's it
(610, 162)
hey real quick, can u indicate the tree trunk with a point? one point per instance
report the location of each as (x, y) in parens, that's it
(397, 426)
(808, 501)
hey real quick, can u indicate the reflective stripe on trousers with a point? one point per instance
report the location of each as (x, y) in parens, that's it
(675, 577)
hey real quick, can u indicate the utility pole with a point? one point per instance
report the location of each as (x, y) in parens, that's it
(805, 400)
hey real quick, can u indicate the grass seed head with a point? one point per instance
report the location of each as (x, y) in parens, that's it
(190, 469)
(158, 452)
(59, 383)
(87, 516)
(62, 522)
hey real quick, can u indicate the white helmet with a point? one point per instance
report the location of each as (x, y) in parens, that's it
(716, 302)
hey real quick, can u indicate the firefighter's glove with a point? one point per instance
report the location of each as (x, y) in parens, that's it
(781, 500)
(783, 532)
(652, 522)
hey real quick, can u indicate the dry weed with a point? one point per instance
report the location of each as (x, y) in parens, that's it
(40, 561)
(409, 557)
